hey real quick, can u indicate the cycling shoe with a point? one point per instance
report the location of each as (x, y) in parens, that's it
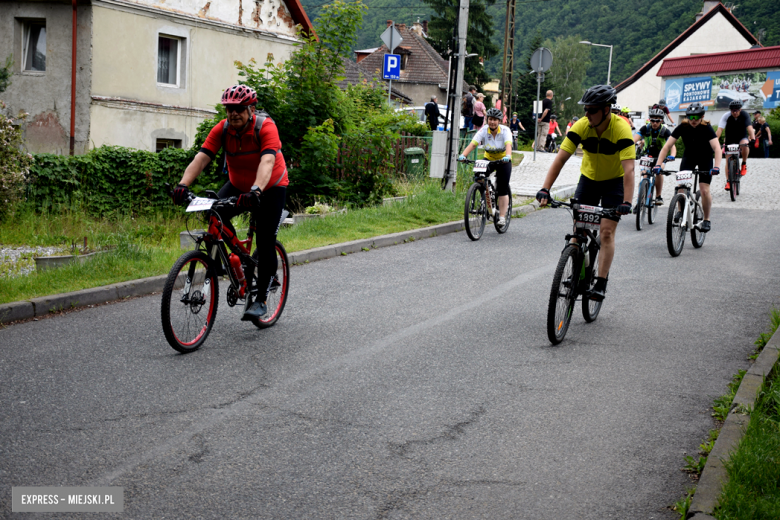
(255, 311)
(599, 289)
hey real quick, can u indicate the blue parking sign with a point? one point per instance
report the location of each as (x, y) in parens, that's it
(392, 68)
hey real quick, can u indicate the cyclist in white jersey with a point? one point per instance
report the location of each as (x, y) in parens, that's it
(497, 140)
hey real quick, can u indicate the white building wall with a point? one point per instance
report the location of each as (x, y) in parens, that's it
(716, 35)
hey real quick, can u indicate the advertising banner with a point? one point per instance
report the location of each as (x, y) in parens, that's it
(756, 90)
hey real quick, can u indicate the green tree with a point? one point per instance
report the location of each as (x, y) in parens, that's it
(569, 68)
(5, 74)
(479, 35)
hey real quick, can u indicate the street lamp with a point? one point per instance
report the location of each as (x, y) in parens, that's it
(609, 69)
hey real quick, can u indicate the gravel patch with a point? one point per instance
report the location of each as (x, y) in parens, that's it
(18, 261)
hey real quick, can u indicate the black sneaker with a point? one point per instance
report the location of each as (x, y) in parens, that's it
(255, 311)
(705, 226)
(599, 289)
(659, 201)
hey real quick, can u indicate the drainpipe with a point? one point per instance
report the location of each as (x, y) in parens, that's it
(73, 87)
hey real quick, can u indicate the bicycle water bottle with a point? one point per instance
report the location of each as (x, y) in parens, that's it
(238, 272)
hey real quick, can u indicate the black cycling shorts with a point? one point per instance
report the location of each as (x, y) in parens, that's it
(503, 173)
(267, 221)
(607, 194)
(703, 164)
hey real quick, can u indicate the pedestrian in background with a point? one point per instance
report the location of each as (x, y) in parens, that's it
(544, 122)
(468, 108)
(764, 135)
(479, 112)
(432, 113)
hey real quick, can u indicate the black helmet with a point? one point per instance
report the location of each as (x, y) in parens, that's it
(657, 112)
(695, 109)
(603, 95)
(662, 103)
(736, 103)
(575, 118)
(553, 116)
(494, 112)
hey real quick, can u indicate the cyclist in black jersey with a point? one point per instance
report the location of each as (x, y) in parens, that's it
(700, 145)
(654, 136)
(739, 130)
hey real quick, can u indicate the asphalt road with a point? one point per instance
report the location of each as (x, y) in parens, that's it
(415, 381)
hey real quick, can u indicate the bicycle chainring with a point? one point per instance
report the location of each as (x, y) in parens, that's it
(232, 297)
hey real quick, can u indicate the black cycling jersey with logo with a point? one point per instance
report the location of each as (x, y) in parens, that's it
(696, 140)
(736, 127)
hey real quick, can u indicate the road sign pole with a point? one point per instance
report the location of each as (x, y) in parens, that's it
(452, 163)
(390, 85)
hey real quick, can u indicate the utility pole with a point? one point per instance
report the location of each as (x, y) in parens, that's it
(452, 163)
(509, 59)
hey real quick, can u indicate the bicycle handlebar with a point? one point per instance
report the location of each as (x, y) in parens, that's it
(607, 212)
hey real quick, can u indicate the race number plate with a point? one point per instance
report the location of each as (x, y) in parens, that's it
(588, 217)
(200, 204)
(646, 161)
(684, 177)
(732, 148)
(481, 166)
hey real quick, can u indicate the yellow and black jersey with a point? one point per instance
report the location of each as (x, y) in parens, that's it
(603, 154)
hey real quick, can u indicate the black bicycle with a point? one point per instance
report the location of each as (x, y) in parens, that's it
(191, 294)
(733, 173)
(577, 269)
(481, 201)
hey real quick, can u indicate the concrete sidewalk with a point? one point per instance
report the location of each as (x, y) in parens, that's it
(37, 307)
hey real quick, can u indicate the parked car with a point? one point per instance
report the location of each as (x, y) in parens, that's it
(419, 113)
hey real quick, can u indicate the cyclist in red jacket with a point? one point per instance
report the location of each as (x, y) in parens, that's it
(257, 176)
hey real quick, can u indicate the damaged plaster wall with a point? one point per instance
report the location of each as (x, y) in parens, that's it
(265, 15)
(45, 96)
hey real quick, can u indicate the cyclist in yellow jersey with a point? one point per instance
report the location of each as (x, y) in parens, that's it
(607, 169)
(497, 140)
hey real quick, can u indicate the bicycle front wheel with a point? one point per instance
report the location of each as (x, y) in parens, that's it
(697, 235)
(502, 229)
(652, 209)
(189, 302)
(733, 173)
(277, 292)
(475, 212)
(675, 232)
(641, 204)
(563, 294)
(591, 308)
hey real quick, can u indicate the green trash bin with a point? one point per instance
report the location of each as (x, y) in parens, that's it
(414, 161)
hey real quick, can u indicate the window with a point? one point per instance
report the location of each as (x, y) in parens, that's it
(404, 61)
(34, 46)
(168, 143)
(168, 60)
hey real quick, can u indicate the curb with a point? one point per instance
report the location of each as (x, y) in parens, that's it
(44, 305)
(705, 499)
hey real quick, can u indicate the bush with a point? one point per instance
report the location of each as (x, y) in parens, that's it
(14, 162)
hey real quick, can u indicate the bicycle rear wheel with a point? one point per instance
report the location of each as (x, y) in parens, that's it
(277, 293)
(641, 207)
(475, 212)
(502, 229)
(591, 308)
(697, 235)
(189, 301)
(675, 232)
(563, 294)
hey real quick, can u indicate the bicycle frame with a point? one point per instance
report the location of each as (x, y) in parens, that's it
(691, 202)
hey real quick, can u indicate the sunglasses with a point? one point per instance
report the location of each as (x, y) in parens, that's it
(238, 109)
(694, 118)
(655, 121)
(593, 110)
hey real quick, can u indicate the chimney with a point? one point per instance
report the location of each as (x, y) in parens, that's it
(707, 7)
(389, 23)
(425, 27)
(417, 28)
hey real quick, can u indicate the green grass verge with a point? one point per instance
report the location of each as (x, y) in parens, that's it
(149, 245)
(753, 487)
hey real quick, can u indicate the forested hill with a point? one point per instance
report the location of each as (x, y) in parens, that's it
(638, 29)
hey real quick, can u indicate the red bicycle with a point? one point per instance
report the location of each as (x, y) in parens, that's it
(191, 294)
